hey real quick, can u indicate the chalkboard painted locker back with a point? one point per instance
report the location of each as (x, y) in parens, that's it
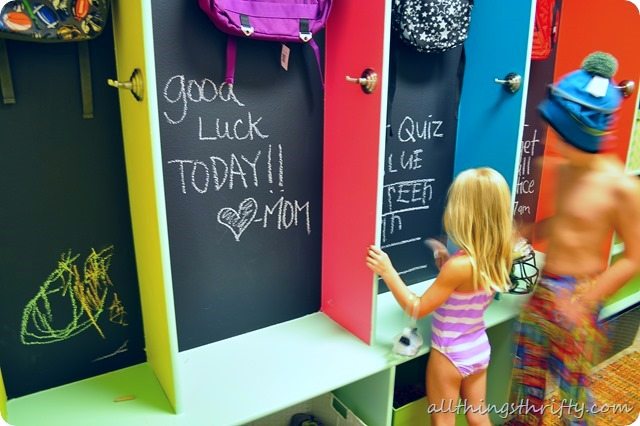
(70, 308)
(419, 155)
(242, 174)
(534, 134)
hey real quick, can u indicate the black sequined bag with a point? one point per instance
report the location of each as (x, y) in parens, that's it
(432, 25)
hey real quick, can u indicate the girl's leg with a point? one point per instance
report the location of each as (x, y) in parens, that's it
(474, 395)
(443, 389)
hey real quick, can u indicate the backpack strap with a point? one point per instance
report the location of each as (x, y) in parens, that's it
(245, 24)
(307, 37)
(6, 84)
(316, 52)
(232, 49)
(305, 33)
(84, 61)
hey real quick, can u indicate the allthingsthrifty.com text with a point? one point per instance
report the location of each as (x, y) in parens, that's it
(554, 407)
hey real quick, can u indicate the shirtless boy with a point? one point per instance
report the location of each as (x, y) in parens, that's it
(559, 330)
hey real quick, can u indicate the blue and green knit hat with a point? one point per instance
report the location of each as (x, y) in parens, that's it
(581, 105)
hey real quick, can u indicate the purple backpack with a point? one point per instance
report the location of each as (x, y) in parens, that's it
(272, 20)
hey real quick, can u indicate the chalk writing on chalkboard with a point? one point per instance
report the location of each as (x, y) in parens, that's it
(404, 197)
(218, 173)
(411, 130)
(122, 349)
(407, 190)
(179, 91)
(79, 299)
(264, 166)
(527, 184)
(117, 313)
(283, 214)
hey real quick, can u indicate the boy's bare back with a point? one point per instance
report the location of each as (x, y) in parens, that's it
(592, 201)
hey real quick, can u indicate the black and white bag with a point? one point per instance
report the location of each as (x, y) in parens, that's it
(432, 25)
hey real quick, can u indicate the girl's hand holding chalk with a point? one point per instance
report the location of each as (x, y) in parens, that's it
(440, 252)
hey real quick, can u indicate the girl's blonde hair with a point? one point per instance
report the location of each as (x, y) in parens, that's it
(478, 219)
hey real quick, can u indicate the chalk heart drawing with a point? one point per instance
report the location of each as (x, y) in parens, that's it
(238, 221)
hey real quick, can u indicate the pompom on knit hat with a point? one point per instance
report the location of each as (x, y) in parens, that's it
(581, 105)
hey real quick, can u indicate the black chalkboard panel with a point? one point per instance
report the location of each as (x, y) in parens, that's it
(70, 304)
(534, 137)
(419, 154)
(242, 177)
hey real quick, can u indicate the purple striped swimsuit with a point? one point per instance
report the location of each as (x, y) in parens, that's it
(458, 331)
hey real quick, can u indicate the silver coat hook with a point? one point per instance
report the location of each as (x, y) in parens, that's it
(511, 82)
(627, 87)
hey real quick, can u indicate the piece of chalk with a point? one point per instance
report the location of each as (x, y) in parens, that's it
(124, 398)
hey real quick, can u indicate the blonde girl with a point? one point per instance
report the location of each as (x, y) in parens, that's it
(477, 219)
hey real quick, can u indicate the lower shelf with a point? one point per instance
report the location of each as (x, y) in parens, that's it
(131, 396)
(231, 382)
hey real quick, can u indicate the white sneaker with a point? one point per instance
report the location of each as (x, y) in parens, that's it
(408, 342)
(3, 422)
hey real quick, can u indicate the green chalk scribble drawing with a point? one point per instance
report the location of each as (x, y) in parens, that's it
(122, 349)
(117, 313)
(84, 295)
